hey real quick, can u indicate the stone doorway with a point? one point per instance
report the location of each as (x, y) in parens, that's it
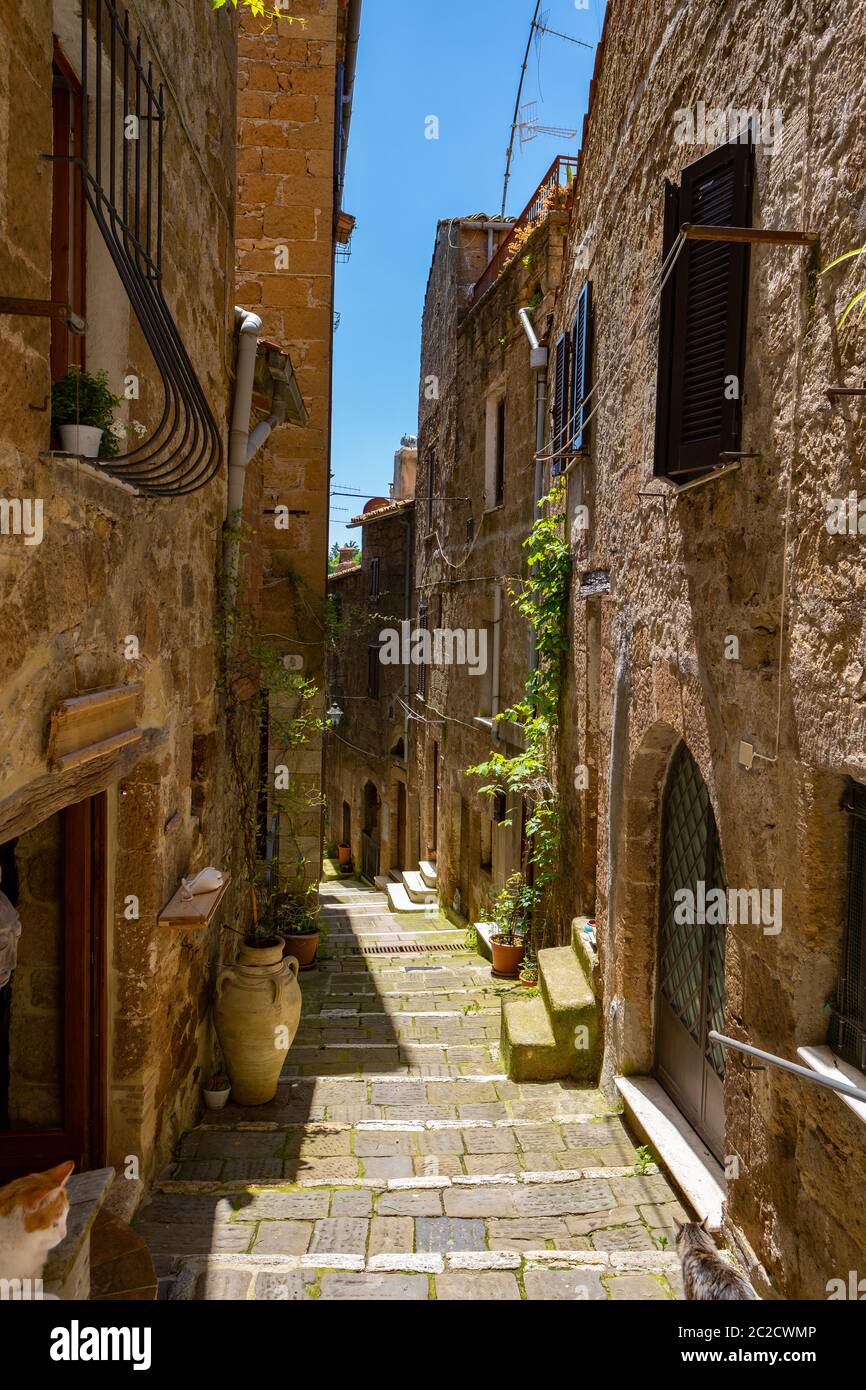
(690, 996)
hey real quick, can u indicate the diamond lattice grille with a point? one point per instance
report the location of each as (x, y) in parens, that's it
(692, 855)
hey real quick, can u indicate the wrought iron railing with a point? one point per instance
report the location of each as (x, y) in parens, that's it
(554, 191)
(122, 177)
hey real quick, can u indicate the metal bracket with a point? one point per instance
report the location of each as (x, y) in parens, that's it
(692, 231)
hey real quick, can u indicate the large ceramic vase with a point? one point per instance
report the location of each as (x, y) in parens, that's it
(256, 1011)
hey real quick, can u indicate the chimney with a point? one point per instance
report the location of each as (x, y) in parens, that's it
(405, 466)
(348, 553)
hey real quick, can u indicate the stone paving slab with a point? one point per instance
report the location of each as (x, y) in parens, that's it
(397, 1160)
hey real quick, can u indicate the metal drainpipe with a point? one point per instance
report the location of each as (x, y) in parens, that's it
(248, 342)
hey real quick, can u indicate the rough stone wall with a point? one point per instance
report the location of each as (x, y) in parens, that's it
(475, 354)
(285, 272)
(113, 565)
(649, 664)
(362, 749)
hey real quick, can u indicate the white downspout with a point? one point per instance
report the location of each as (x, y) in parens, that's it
(248, 342)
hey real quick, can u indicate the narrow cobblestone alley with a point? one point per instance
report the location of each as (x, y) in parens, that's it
(398, 1162)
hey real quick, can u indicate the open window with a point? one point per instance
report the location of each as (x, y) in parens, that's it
(373, 667)
(494, 450)
(374, 577)
(560, 397)
(703, 310)
(847, 1035)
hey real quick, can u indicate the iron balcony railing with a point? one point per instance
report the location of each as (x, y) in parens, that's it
(122, 176)
(844, 1087)
(554, 191)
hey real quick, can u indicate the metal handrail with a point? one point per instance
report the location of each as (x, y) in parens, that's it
(844, 1087)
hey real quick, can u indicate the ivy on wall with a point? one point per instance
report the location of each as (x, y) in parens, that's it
(542, 599)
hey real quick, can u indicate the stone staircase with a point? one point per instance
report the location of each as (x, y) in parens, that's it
(414, 890)
(399, 1162)
(555, 1033)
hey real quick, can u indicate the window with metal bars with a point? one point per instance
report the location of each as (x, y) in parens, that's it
(431, 486)
(847, 1035)
(703, 312)
(374, 577)
(121, 176)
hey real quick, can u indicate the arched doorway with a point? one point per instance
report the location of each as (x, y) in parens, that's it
(370, 835)
(690, 995)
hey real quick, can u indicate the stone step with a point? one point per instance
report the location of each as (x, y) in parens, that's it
(67, 1270)
(572, 1009)
(449, 1275)
(399, 900)
(586, 953)
(428, 873)
(528, 1046)
(416, 887)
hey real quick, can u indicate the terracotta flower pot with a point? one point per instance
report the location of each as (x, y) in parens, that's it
(257, 1010)
(506, 959)
(303, 946)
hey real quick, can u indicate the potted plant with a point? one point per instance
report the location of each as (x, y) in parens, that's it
(512, 912)
(529, 973)
(299, 927)
(81, 409)
(216, 1091)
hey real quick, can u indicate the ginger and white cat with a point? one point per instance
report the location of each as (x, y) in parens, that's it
(33, 1213)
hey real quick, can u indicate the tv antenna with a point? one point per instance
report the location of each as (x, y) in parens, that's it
(529, 127)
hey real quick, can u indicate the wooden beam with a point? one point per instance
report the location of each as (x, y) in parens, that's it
(43, 309)
(771, 235)
(89, 726)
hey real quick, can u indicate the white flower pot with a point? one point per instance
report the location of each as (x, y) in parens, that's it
(83, 440)
(216, 1100)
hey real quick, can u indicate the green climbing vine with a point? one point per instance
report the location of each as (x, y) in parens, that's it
(257, 688)
(543, 600)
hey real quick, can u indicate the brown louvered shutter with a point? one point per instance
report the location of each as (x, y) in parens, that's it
(559, 443)
(703, 318)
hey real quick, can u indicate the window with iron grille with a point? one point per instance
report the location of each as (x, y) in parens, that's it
(703, 311)
(373, 667)
(374, 577)
(847, 1035)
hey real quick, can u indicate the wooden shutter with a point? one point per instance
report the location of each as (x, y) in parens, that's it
(581, 379)
(560, 396)
(703, 318)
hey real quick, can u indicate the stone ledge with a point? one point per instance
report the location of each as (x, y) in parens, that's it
(825, 1062)
(684, 1156)
(67, 1273)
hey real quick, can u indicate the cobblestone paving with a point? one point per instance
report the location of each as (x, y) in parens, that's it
(398, 1162)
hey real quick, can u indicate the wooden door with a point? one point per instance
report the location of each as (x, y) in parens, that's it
(77, 1080)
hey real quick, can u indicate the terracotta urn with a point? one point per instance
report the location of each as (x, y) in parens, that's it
(257, 1009)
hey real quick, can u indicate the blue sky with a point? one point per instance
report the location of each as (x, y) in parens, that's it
(458, 60)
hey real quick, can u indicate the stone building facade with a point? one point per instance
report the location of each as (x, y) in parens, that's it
(715, 688)
(296, 80)
(112, 784)
(369, 806)
(477, 490)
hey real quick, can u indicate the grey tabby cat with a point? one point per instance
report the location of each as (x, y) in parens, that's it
(706, 1275)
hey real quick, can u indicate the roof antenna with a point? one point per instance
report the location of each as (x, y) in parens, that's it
(516, 119)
